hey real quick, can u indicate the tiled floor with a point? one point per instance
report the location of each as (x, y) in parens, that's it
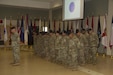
(33, 65)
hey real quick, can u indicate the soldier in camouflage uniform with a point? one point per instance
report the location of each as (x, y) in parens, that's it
(51, 50)
(15, 42)
(35, 42)
(64, 48)
(93, 43)
(46, 45)
(74, 46)
(81, 38)
(42, 52)
(58, 47)
(38, 44)
(86, 46)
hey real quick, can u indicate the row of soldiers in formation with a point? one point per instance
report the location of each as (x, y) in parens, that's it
(68, 49)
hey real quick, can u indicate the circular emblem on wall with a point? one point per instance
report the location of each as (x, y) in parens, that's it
(71, 6)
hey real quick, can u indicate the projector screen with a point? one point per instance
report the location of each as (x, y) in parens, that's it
(73, 9)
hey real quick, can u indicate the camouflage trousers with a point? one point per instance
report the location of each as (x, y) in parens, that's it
(58, 55)
(93, 58)
(73, 62)
(16, 54)
(87, 55)
(63, 56)
(81, 58)
(51, 55)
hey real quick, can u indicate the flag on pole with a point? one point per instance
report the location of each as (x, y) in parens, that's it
(111, 38)
(0, 33)
(26, 30)
(5, 31)
(63, 25)
(104, 34)
(81, 24)
(49, 27)
(18, 26)
(44, 25)
(22, 30)
(67, 26)
(77, 24)
(71, 26)
(99, 32)
(34, 25)
(59, 26)
(37, 27)
(10, 31)
(87, 23)
(92, 23)
(1, 21)
(40, 25)
(54, 26)
(30, 35)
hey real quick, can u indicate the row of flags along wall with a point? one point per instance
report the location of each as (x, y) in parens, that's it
(26, 26)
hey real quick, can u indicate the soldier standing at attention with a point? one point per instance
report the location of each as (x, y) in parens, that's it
(74, 45)
(35, 42)
(93, 43)
(58, 47)
(64, 47)
(86, 46)
(81, 38)
(51, 49)
(15, 42)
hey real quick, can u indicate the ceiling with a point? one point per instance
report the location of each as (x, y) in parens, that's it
(43, 4)
(44, 0)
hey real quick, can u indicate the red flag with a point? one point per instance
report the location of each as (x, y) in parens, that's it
(54, 26)
(92, 24)
(1, 21)
(104, 34)
(34, 25)
(71, 26)
(18, 26)
(87, 23)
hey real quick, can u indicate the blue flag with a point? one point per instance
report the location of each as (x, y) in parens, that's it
(99, 32)
(30, 35)
(22, 31)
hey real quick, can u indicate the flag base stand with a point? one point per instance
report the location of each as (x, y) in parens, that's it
(103, 56)
(31, 47)
(97, 54)
(111, 57)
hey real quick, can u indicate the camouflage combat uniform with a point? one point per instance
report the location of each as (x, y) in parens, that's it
(46, 45)
(81, 58)
(58, 49)
(64, 49)
(16, 47)
(86, 46)
(74, 45)
(93, 43)
(52, 48)
(35, 43)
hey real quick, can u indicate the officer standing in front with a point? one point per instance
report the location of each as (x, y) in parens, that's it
(15, 40)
